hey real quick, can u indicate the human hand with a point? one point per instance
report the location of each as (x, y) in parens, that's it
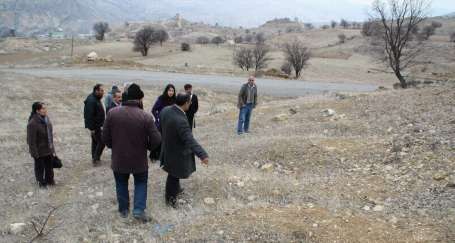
(205, 161)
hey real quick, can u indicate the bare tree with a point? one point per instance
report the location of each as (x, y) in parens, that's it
(260, 38)
(399, 18)
(161, 36)
(144, 40)
(371, 28)
(261, 57)
(344, 23)
(342, 38)
(309, 26)
(244, 58)
(297, 54)
(286, 68)
(101, 28)
(333, 24)
(203, 40)
(217, 40)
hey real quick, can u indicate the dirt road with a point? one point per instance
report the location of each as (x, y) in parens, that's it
(279, 88)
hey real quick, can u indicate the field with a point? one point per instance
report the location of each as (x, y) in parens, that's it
(381, 170)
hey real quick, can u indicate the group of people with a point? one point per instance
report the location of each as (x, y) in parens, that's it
(121, 124)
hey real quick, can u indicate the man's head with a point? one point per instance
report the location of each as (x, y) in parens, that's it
(251, 80)
(183, 100)
(135, 92)
(115, 89)
(98, 90)
(117, 97)
(188, 88)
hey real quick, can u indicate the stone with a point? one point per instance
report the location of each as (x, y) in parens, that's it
(378, 208)
(95, 207)
(439, 176)
(388, 168)
(293, 111)
(92, 56)
(240, 184)
(315, 225)
(251, 198)
(393, 220)
(209, 201)
(220, 232)
(280, 117)
(329, 112)
(267, 167)
(366, 208)
(30, 194)
(16, 228)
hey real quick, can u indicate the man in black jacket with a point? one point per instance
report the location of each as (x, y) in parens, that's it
(94, 116)
(193, 107)
(178, 147)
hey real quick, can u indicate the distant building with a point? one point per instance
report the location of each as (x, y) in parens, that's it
(58, 34)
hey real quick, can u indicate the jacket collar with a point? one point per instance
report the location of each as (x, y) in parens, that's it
(133, 103)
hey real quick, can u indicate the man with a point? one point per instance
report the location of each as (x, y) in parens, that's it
(110, 96)
(246, 103)
(116, 100)
(193, 107)
(178, 147)
(94, 116)
(129, 131)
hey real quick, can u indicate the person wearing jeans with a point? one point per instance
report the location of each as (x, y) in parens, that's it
(130, 131)
(140, 192)
(247, 101)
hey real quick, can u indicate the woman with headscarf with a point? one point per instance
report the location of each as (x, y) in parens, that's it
(164, 100)
(41, 144)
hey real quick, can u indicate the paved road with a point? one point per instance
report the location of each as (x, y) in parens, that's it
(280, 88)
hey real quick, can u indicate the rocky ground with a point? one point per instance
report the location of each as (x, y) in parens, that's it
(376, 167)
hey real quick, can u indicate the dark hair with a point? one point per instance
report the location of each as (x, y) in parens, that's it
(115, 88)
(97, 87)
(182, 98)
(165, 98)
(35, 107)
(188, 86)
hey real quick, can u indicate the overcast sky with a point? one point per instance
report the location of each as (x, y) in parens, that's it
(256, 12)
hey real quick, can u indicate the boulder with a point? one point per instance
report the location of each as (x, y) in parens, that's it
(92, 56)
(328, 112)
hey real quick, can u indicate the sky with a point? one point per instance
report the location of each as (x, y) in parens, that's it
(250, 13)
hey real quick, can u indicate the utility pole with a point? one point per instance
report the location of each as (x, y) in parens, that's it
(72, 44)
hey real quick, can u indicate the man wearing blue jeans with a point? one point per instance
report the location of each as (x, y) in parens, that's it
(246, 103)
(130, 131)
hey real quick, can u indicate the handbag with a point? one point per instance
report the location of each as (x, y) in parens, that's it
(56, 162)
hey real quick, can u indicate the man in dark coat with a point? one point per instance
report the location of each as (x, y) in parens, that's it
(94, 116)
(130, 132)
(247, 101)
(178, 147)
(190, 114)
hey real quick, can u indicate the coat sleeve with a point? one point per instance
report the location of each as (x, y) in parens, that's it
(255, 98)
(31, 140)
(107, 134)
(185, 134)
(240, 102)
(157, 107)
(89, 114)
(154, 136)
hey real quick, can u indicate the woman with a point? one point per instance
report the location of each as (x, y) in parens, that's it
(166, 99)
(41, 144)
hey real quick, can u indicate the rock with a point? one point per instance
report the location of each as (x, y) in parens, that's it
(393, 220)
(220, 232)
(378, 208)
(92, 56)
(16, 228)
(388, 168)
(102, 237)
(95, 207)
(209, 201)
(267, 167)
(328, 112)
(281, 117)
(315, 225)
(439, 176)
(240, 184)
(366, 208)
(251, 198)
(30, 194)
(451, 183)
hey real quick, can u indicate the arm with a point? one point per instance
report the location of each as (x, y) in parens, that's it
(186, 135)
(106, 134)
(89, 113)
(255, 98)
(240, 102)
(157, 107)
(196, 104)
(31, 140)
(154, 136)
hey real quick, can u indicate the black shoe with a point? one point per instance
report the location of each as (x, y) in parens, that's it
(181, 190)
(142, 217)
(42, 185)
(124, 214)
(171, 202)
(96, 162)
(51, 183)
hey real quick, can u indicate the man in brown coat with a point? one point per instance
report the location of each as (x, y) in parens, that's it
(130, 131)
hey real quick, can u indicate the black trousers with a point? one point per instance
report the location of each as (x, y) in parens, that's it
(44, 172)
(97, 145)
(172, 187)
